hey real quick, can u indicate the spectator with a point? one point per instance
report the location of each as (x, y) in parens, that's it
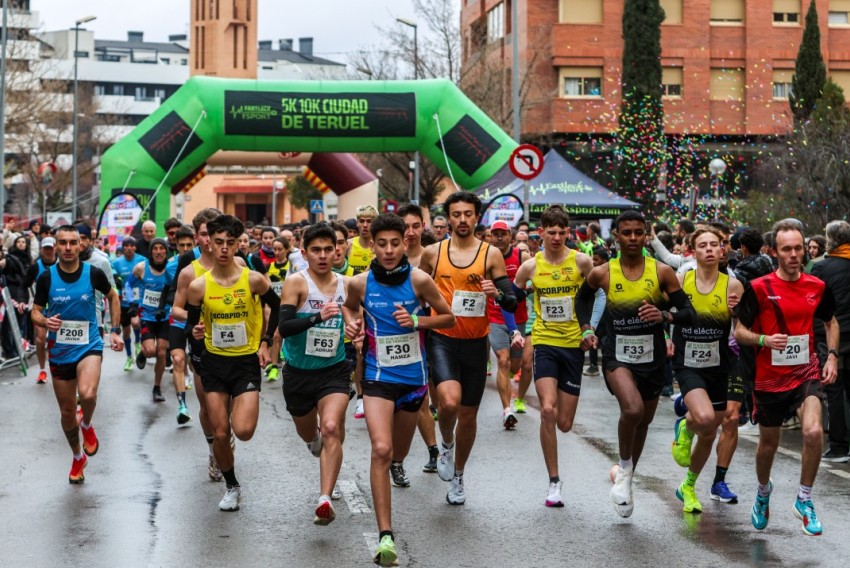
(171, 227)
(440, 228)
(143, 245)
(816, 248)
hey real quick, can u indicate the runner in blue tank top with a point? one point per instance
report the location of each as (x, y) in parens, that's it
(46, 259)
(151, 278)
(65, 303)
(395, 379)
(122, 268)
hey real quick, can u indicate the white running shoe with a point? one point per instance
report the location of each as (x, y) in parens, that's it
(230, 501)
(508, 419)
(315, 446)
(358, 409)
(325, 513)
(446, 463)
(621, 492)
(554, 498)
(456, 494)
(336, 494)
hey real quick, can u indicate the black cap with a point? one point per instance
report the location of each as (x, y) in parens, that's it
(128, 241)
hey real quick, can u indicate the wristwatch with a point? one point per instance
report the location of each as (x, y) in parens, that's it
(832, 352)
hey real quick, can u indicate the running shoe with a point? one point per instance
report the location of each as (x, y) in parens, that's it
(508, 419)
(385, 554)
(230, 501)
(434, 413)
(591, 371)
(721, 492)
(446, 463)
(431, 466)
(667, 391)
(138, 348)
(183, 414)
(77, 466)
(358, 409)
(688, 495)
(189, 382)
(792, 423)
(621, 492)
(272, 372)
(519, 405)
(90, 443)
(336, 494)
(315, 446)
(398, 475)
(553, 499)
(42, 378)
(213, 470)
(141, 360)
(679, 406)
(682, 442)
(325, 513)
(456, 494)
(761, 509)
(128, 364)
(835, 457)
(805, 511)
(157, 395)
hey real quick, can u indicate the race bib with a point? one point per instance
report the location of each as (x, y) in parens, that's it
(469, 304)
(136, 294)
(151, 299)
(396, 350)
(634, 349)
(796, 352)
(277, 287)
(73, 333)
(229, 335)
(558, 309)
(322, 342)
(700, 355)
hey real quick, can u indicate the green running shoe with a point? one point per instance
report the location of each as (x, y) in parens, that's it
(385, 555)
(519, 405)
(272, 372)
(183, 415)
(681, 449)
(138, 348)
(688, 495)
(128, 364)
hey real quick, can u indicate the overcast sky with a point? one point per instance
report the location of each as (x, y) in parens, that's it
(350, 27)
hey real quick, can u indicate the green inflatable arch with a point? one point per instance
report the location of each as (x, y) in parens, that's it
(209, 114)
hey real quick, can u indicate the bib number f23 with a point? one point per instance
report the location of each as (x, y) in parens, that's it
(796, 352)
(634, 349)
(229, 335)
(73, 333)
(559, 309)
(469, 304)
(397, 350)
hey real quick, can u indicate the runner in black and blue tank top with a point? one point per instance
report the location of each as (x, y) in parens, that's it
(44, 262)
(634, 347)
(151, 279)
(395, 380)
(66, 305)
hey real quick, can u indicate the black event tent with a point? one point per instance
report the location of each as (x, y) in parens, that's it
(559, 183)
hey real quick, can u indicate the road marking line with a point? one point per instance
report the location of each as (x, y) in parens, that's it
(371, 542)
(824, 465)
(354, 498)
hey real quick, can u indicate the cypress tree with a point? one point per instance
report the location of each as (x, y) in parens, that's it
(641, 143)
(810, 71)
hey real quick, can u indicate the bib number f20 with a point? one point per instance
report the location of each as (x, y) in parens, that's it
(796, 352)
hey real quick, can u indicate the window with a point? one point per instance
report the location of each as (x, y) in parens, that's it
(727, 12)
(672, 11)
(580, 11)
(843, 80)
(159, 93)
(727, 85)
(99, 90)
(839, 12)
(118, 90)
(671, 81)
(581, 81)
(782, 83)
(786, 11)
(496, 22)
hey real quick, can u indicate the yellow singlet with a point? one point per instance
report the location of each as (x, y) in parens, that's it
(233, 317)
(555, 288)
(359, 257)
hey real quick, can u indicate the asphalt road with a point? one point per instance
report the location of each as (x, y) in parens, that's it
(147, 500)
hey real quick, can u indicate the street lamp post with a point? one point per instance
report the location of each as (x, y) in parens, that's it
(415, 27)
(77, 25)
(3, 110)
(717, 167)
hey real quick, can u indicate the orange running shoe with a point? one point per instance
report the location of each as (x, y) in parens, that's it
(90, 443)
(42, 378)
(77, 467)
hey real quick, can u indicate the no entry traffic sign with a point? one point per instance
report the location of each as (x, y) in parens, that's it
(526, 161)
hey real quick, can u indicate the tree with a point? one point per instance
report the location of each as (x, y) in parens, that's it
(301, 192)
(810, 70)
(642, 146)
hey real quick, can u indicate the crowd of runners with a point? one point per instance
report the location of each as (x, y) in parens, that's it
(410, 321)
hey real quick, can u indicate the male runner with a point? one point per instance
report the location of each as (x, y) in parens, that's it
(65, 303)
(395, 381)
(151, 278)
(276, 273)
(467, 271)
(556, 274)
(123, 268)
(184, 240)
(634, 349)
(702, 359)
(777, 314)
(36, 269)
(230, 298)
(360, 256)
(316, 375)
(507, 337)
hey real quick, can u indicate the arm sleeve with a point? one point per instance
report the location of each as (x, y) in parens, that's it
(584, 304)
(100, 281)
(520, 294)
(42, 290)
(510, 321)
(508, 300)
(685, 312)
(599, 302)
(192, 318)
(664, 255)
(273, 301)
(289, 325)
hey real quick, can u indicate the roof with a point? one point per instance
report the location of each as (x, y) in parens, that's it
(270, 55)
(162, 47)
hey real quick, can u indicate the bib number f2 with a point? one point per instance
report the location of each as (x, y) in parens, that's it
(634, 349)
(469, 304)
(796, 352)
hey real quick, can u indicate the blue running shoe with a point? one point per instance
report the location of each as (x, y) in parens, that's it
(805, 511)
(721, 492)
(679, 406)
(761, 509)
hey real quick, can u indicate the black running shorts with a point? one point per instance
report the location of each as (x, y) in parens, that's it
(714, 384)
(462, 360)
(407, 398)
(232, 375)
(771, 409)
(302, 389)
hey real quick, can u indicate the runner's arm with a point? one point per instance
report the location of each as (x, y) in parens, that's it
(441, 314)
(288, 323)
(685, 312)
(260, 286)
